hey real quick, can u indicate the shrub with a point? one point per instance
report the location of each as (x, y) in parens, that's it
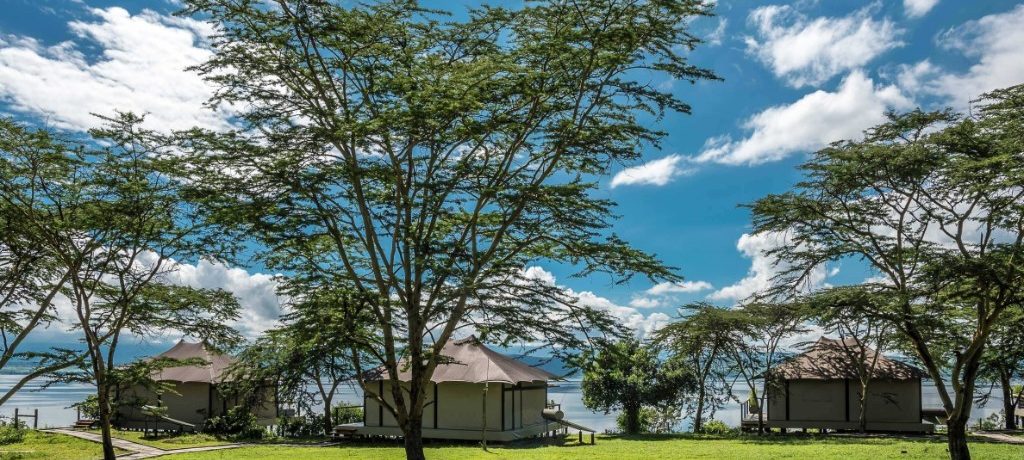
(11, 432)
(90, 407)
(646, 419)
(347, 413)
(238, 422)
(992, 422)
(302, 426)
(716, 427)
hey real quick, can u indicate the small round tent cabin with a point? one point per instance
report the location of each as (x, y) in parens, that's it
(457, 405)
(194, 394)
(820, 388)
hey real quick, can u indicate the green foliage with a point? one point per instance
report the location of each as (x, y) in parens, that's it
(347, 413)
(644, 421)
(11, 432)
(718, 427)
(423, 160)
(306, 425)
(933, 202)
(628, 376)
(89, 407)
(993, 422)
(238, 422)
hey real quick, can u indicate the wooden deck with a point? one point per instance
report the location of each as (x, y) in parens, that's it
(749, 422)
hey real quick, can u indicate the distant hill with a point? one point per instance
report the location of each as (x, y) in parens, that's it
(550, 364)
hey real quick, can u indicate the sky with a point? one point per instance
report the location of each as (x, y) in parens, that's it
(796, 76)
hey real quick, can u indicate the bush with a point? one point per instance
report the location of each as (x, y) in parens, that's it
(347, 413)
(992, 422)
(302, 426)
(11, 433)
(647, 417)
(238, 422)
(716, 427)
(90, 407)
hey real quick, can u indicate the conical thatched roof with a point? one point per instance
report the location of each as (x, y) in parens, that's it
(829, 359)
(212, 372)
(468, 360)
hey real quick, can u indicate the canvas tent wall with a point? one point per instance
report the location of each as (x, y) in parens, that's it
(821, 389)
(193, 395)
(515, 398)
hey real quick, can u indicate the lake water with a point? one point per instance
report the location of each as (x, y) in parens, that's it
(53, 403)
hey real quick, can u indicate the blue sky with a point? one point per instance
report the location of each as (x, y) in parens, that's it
(796, 76)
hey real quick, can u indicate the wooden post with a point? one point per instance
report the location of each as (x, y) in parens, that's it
(35, 419)
(581, 436)
(16, 417)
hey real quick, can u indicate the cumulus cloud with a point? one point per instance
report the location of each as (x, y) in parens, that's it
(811, 51)
(656, 172)
(994, 41)
(627, 315)
(763, 268)
(644, 325)
(918, 8)
(140, 67)
(256, 292)
(684, 287)
(808, 124)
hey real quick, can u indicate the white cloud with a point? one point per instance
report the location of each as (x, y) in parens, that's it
(994, 41)
(644, 325)
(656, 172)
(715, 37)
(627, 315)
(646, 302)
(256, 292)
(810, 52)
(140, 67)
(918, 8)
(810, 123)
(678, 288)
(763, 268)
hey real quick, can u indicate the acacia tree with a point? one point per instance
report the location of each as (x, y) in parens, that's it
(704, 337)
(760, 330)
(34, 165)
(849, 313)
(111, 217)
(933, 203)
(426, 161)
(1003, 361)
(311, 349)
(627, 375)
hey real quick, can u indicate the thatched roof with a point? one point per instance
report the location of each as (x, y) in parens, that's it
(468, 360)
(212, 372)
(829, 359)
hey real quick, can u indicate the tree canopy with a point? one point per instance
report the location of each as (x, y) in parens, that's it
(932, 201)
(428, 161)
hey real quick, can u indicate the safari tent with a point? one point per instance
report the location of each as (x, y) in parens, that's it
(820, 389)
(193, 397)
(516, 398)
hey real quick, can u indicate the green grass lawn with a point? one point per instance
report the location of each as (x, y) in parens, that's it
(168, 441)
(51, 446)
(644, 447)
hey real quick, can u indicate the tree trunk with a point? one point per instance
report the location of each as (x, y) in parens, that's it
(698, 418)
(957, 439)
(1008, 401)
(328, 418)
(863, 419)
(413, 435)
(103, 398)
(632, 419)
